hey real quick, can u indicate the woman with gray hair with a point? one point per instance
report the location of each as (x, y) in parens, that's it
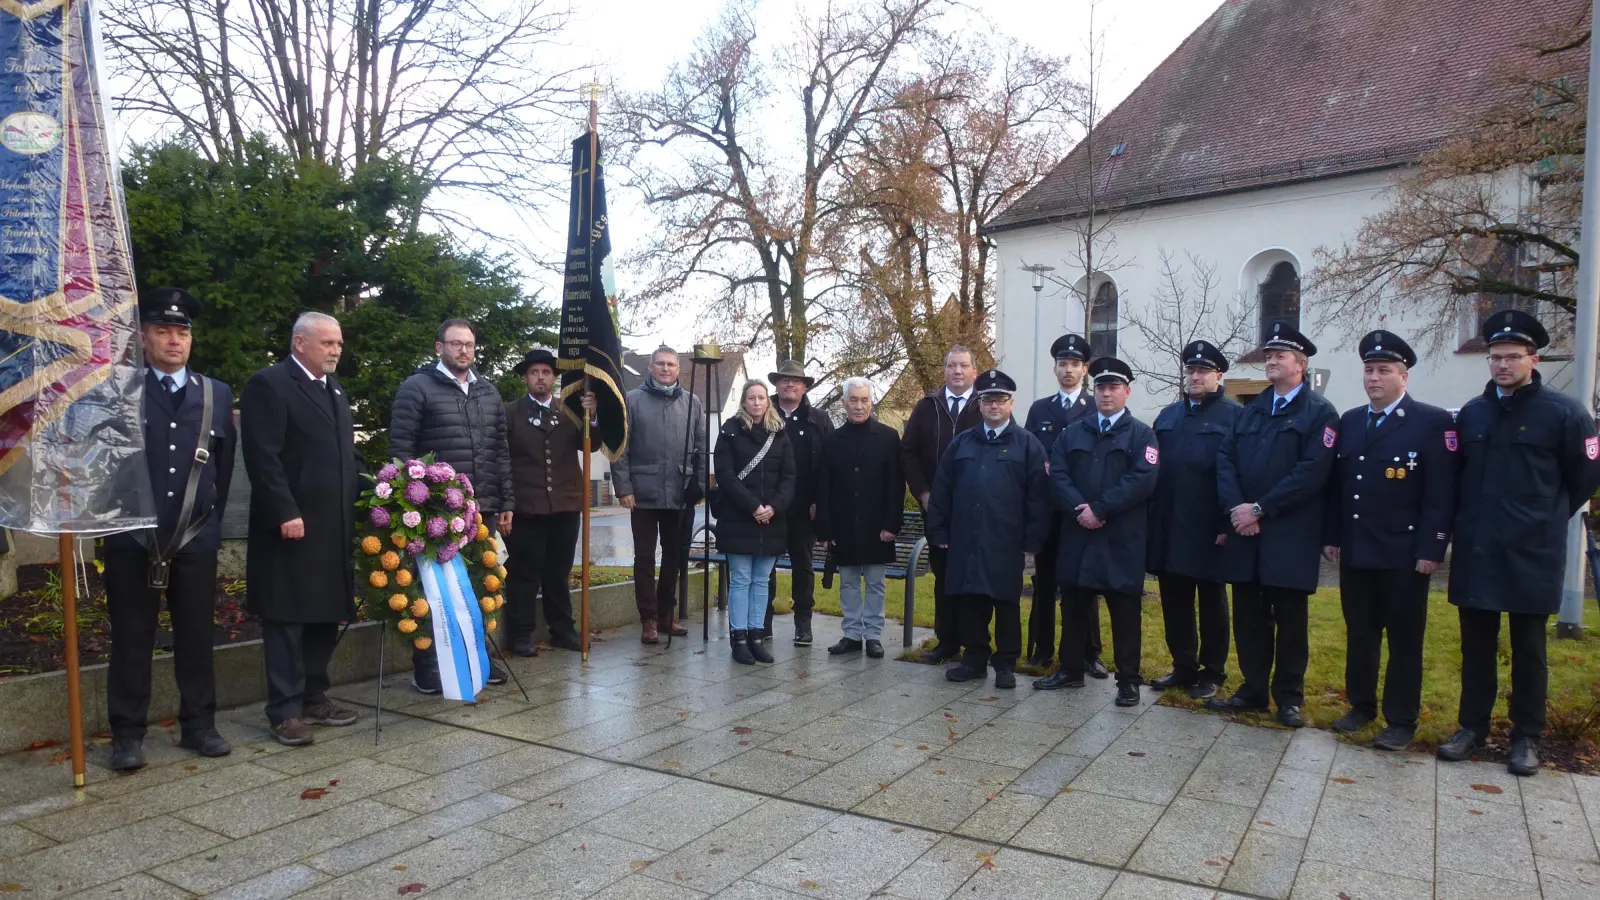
(754, 464)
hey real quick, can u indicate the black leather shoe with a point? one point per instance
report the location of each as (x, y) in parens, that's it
(938, 656)
(1172, 680)
(845, 645)
(875, 649)
(1205, 690)
(565, 642)
(802, 634)
(1005, 678)
(1098, 669)
(1127, 695)
(206, 743)
(1234, 704)
(1041, 660)
(1460, 745)
(1524, 757)
(525, 645)
(127, 754)
(1394, 737)
(1058, 681)
(757, 650)
(1291, 716)
(962, 673)
(1352, 721)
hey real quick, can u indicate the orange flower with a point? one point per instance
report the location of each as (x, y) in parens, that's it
(378, 579)
(419, 608)
(483, 532)
(397, 602)
(422, 643)
(490, 559)
(371, 545)
(407, 626)
(490, 582)
(398, 539)
(488, 604)
(501, 571)
(390, 560)
(491, 624)
(403, 578)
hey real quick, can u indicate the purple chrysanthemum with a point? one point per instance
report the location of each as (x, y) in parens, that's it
(438, 474)
(412, 518)
(458, 524)
(388, 472)
(465, 481)
(436, 527)
(417, 492)
(415, 548)
(447, 553)
(453, 498)
(415, 469)
(379, 517)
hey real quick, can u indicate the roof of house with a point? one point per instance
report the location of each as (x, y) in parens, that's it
(1270, 92)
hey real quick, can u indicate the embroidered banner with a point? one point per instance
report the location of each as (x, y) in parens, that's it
(457, 628)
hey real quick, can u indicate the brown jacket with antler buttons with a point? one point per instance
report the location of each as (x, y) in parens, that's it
(546, 458)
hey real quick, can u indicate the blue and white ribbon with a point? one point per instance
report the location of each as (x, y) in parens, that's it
(457, 628)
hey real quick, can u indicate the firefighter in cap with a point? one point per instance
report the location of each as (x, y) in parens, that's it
(189, 442)
(1102, 472)
(1188, 526)
(1529, 461)
(1389, 506)
(1047, 418)
(989, 508)
(1271, 476)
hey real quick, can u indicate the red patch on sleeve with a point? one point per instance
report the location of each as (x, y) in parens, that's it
(1591, 447)
(1329, 436)
(1151, 455)
(1451, 441)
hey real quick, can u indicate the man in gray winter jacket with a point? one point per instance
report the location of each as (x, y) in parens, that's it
(447, 410)
(659, 483)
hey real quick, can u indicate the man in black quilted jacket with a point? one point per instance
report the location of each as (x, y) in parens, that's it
(447, 410)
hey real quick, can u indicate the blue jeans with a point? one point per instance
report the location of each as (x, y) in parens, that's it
(745, 609)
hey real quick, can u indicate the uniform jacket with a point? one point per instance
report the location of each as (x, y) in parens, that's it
(466, 429)
(1392, 496)
(1527, 465)
(1047, 418)
(1185, 514)
(928, 432)
(990, 505)
(771, 483)
(1283, 463)
(653, 469)
(172, 433)
(808, 429)
(859, 493)
(1115, 472)
(546, 459)
(299, 451)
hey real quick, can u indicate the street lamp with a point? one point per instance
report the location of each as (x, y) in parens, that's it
(1039, 272)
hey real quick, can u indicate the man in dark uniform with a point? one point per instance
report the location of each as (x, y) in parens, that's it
(1272, 474)
(547, 496)
(989, 508)
(1047, 418)
(935, 421)
(1530, 460)
(1188, 526)
(807, 428)
(189, 443)
(1389, 507)
(1103, 469)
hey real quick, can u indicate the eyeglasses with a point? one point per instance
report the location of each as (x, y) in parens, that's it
(1506, 359)
(461, 345)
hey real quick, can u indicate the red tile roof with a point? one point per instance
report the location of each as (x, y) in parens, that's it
(1271, 92)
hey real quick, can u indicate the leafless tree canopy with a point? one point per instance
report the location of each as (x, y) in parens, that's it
(1188, 307)
(455, 90)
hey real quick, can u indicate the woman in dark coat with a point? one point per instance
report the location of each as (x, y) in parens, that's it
(860, 508)
(751, 528)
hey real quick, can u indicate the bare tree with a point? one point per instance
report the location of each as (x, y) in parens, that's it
(450, 89)
(755, 214)
(1186, 309)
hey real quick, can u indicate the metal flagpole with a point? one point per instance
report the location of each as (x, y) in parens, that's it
(69, 622)
(588, 448)
(1570, 622)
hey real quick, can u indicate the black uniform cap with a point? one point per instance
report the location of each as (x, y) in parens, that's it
(536, 355)
(1205, 353)
(168, 306)
(994, 381)
(1110, 370)
(1386, 346)
(1070, 346)
(1516, 327)
(1284, 336)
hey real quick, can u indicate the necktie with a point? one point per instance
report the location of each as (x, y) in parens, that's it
(1066, 402)
(1279, 404)
(1105, 426)
(1373, 417)
(955, 407)
(991, 434)
(169, 384)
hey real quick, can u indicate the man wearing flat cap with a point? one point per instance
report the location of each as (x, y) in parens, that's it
(1272, 473)
(1530, 459)
(989, 508)
(1389, 507)
(1103, 469)
(547, 496)
(189, 442)
(1188, 526)
(807, 428)
(1047, 419)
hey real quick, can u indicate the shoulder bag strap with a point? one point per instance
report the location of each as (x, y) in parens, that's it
(760, 455)
(184, 530)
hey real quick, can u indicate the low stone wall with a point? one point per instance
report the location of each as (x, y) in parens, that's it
(34, 707)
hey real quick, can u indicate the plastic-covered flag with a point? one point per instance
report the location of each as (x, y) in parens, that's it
(70, 370)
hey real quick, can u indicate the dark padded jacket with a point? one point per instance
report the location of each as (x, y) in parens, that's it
(466, 429)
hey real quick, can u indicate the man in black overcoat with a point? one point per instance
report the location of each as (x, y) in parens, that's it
(179, 557)
(299, 451)
(807, 428)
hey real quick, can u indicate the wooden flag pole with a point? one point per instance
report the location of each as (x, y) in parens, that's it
(588, 448)
(69, 621)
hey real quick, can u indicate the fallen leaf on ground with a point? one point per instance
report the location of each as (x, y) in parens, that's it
(40, 745)
(742, 729)
(1135, 752)
(883, 787)
(191, 768)
(1488, 788)
(415, 887)
(333, 783)
(788, 753)
(313, 793)
(674, 764)
(716, 851)
(953, 734)
(399, 868)
(951, 718)
(639, 864)
(1344, 781)
(939, 772)
(922, 746)
(987, 858)
(810, 885)
(897, 830)
(1474, 812)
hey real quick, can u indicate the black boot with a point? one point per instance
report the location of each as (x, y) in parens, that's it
(758, 650)
(741, 651)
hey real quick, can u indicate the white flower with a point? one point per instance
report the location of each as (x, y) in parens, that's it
(383, 489)
(458, 524)
(412, 519)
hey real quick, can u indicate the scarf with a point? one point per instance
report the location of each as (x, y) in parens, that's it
(671, 393)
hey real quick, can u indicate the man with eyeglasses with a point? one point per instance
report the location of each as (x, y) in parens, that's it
(1530, 460)
(447, 410)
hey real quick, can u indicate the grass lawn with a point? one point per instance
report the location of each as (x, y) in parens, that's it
(1574, 665)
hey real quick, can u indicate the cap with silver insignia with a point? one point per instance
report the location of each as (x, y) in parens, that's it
(1284, 336)
(1386, 346)
(994, 383)
(1204, 354)
(1515, 327)
(1070, 346)
(1110, 370)
(168, 306)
